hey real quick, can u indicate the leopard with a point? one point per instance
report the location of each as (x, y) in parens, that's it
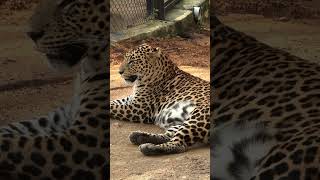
(166, 96)
(71, 142)
(265, 117)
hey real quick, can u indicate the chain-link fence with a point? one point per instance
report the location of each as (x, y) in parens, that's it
(270, 8)
(129, 13)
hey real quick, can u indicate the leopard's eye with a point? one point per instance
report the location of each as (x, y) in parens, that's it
(66, 5)
(130, 63)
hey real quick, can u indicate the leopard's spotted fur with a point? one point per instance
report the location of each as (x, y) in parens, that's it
(265, 110)
(164, 95)
(71, 142)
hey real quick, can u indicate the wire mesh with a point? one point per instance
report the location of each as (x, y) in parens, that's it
(128, 13)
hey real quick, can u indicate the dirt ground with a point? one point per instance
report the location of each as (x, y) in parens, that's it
(29, 88)
(21, 71)
(128, 163)
(299, 37)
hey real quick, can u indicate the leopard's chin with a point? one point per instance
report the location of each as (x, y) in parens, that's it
(131, 79)
(69, 56)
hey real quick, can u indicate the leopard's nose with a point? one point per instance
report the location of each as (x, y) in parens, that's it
(121, 72)
(35, 35)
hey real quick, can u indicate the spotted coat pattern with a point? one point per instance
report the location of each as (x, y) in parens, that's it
(163, 95)
(265, 110)
(72, 142)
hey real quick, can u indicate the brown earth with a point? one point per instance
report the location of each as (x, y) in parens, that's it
(299, 37)
(22, 97)
(29, 88)
(21, 71)
(127, 162)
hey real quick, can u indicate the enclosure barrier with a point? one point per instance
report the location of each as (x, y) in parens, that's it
(163, 6)
(129, 13)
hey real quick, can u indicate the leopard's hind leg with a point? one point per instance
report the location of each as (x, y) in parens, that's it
(187, 135)
(138, 137)
(170, 119)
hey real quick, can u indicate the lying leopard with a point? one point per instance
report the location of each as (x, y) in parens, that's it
(265, 110)
(166, 96)
(71, 142)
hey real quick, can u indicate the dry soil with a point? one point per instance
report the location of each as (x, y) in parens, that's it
(29, 88)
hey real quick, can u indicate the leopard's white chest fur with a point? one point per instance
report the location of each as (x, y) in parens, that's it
(236, 149)
(175, 114)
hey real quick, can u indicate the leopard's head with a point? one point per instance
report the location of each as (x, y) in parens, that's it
(67, 31)
(145, 63)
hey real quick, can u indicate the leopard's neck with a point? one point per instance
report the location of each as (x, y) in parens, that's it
(94, 63)
(227, 44)
(159, 82)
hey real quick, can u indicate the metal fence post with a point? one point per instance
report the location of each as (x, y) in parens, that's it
(149, 7)
(160, 8)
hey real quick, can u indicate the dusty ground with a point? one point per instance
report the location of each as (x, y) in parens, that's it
(22, 97)
(29, 88)
(127, 162)
(22, 67)
(299, 37)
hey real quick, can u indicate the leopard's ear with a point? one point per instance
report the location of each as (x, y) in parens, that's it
(156, 49)
(155, 53)
(126, 55)
(144, 46)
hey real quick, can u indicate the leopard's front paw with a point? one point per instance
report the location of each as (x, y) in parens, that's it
(138, 137)
(149, 149)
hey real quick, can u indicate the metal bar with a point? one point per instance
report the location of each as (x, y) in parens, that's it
(149, 7)
(160, 8)
(170, 4)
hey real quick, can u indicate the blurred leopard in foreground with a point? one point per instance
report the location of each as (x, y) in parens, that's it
(71, 142)
(265, 112)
